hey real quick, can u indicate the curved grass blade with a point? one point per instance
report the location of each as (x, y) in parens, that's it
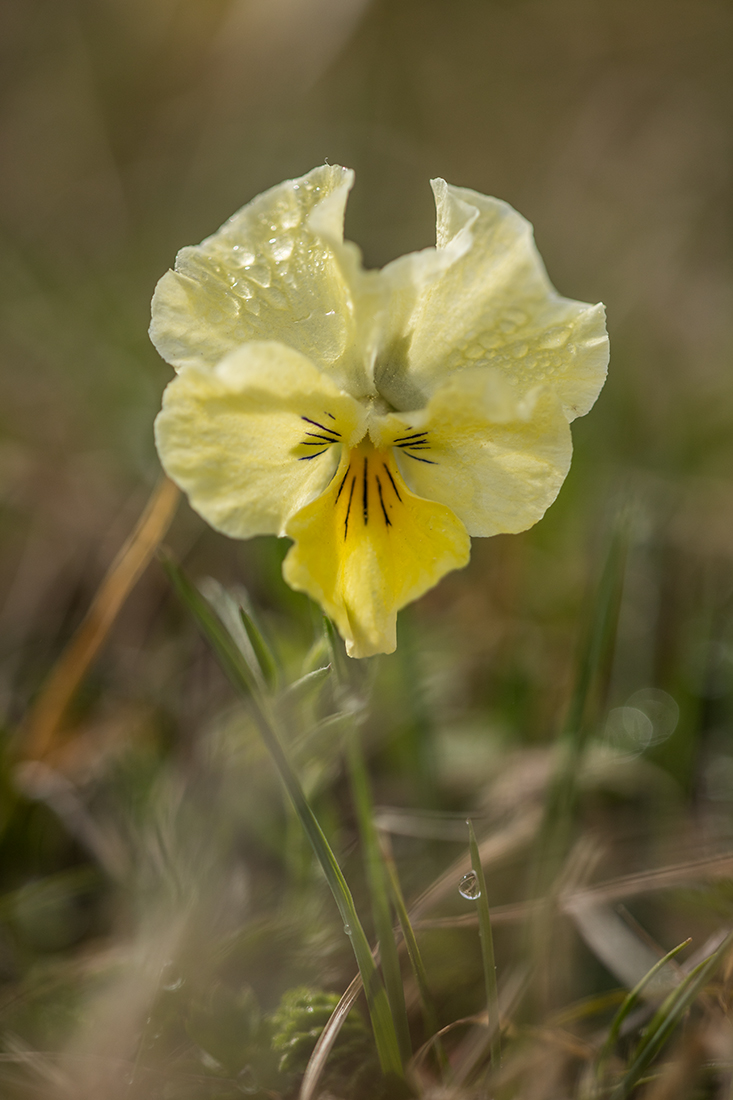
(668, 1016)
(228, 652)
(234, 665)
(302, 688)
(626, 1006)
(228, 610)
(53, 701)
(326, 1040)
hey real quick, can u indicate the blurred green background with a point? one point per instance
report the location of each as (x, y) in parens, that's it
(129, 128)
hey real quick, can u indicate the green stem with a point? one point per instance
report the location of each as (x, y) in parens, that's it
(236, 669)
(430, 1016)
(487, 951)
(377, 879)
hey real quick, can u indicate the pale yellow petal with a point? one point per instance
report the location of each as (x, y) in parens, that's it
(255, 438)
(265, 275)
(495, 306)
(497, 460)
(368, 546)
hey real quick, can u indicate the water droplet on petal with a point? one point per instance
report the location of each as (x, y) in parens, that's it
(243, 256)
(468, 887)
(259, 274)
(554, 338)
(282, 248)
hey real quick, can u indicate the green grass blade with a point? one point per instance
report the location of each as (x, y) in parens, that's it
(668, 1016)
(235, 667)
(262, 651)
(487, 950)
(309, 684)
(337, 654)
(430, 1016)
(628, 1003)
(378, 889)
(227, 650)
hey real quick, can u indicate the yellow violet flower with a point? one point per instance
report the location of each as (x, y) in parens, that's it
(377, 418)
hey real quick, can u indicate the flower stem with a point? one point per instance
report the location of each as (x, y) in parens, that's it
(235, 667)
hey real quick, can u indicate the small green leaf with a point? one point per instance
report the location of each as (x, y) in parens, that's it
(300, 689)
(262, 651)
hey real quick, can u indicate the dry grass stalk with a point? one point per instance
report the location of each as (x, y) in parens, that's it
(47, 715)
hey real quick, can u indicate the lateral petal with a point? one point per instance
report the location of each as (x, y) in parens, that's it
(368, 545)
(256, 438)
(495, 306)
(265, 275)
(497, 460)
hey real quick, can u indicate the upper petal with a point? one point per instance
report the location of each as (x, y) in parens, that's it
(256, 438)
(266, 274)
(385, 300)
(495, 459)
(495, 306)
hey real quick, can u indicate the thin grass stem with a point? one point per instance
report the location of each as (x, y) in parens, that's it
(378, 889)
(235, 667)
(487, 951)
(430, 1016)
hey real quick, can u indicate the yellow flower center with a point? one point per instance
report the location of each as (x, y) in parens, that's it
(368, 489)
(367, 545)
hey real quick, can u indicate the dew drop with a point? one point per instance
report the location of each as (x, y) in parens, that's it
(468, 887)
(244, 257)
(347, 929)
(282, 248)
(259, 274)
(554, 338)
